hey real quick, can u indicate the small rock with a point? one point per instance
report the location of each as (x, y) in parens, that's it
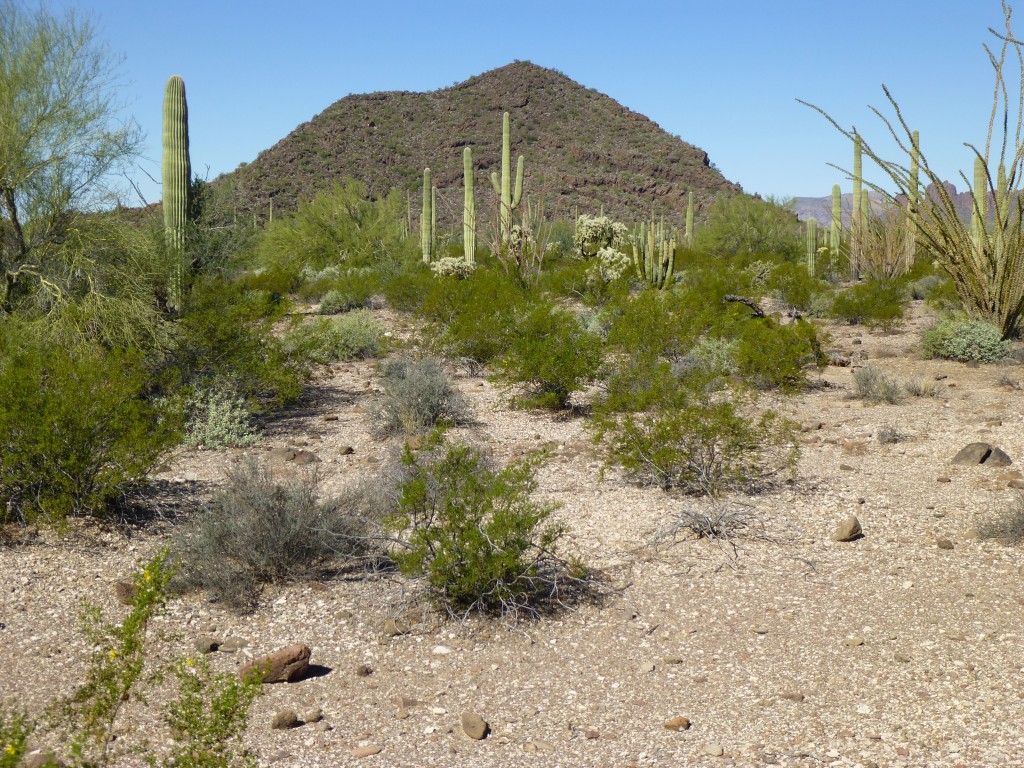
(855, 642)
(401, 714)
(367, 751)
(305, 457)
(232, 644)
(713, 749)
(395, 627)
(973, 454)
(330, 417)
(592, 734)
(943, 479)
(284, 665)
(124, 591)
(902, 658)
(441, 650)
(647, 667)
(474, 726)
(281, 454)
(364, 670)
(846, 468)
(678, 723)
(314, 715)
(41, 758)
(206, 644)
(848, 530)
(346, 450)
(944, 543)
(285, 719)
(793, 696)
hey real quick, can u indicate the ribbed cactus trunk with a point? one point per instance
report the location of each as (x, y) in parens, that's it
(468, 208)
(979, 216)
(812, 243)
(427, 218)
(856, 222)
(688, 235)
(509, 197)
(835, 234)
(177, 177)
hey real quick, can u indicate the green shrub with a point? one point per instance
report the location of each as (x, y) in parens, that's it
(964, 340)
(76, 429)
(353, 290)
(354, 335)
(773, 356)
(738, 224)
(701, 447)
(874, 303)
(256, 531)
(209, 716)
(225, 338)
(217, 418)
(552, 355)
(872, 384)
(15, 730)
(475, 535)
(791, 284)
(417, 396)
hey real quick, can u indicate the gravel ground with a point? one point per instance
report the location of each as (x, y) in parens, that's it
(783, 647)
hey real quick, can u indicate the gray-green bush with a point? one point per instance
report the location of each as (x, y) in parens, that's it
(326, 340)
(417, 396)
(964, 340)
(874, 385)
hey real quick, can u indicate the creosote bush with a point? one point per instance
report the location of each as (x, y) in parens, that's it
(874, 303)
(701, 447)
(256, 531)
(964, 340)
(324, 340)
(475, 536)
(417, 396)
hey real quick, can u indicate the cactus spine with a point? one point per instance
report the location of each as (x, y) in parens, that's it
(177, 177)
(510, 198)
(835, 233)
(468, 208)
(427, 218)
(856, 222)
(812, 243)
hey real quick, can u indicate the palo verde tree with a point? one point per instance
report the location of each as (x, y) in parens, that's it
(985, 257)
(59, 144)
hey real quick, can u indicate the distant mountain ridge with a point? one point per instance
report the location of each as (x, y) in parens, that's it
(582, 149)
(821, 207)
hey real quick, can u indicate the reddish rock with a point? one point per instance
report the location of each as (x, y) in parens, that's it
(285, 665)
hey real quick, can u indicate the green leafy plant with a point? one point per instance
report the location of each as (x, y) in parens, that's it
(474, 534)
(417, 396)
(552, 355)
(354, 335)
(116, 667)
(209, 717)
(874, 303)
(76, 430)
(216, 418)
(257, 531)
(964, 340)
(15, 730)
(700, 447)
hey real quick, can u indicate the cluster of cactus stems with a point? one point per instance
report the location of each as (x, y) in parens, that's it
(176, 171)
(427, 218)
(510, 197)
(468, 208)
(654, 253)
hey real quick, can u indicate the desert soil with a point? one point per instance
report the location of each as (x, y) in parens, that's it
(785, 648)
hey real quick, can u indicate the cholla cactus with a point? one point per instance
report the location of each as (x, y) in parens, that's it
(452, 266)
(609, 264)
(596, 232)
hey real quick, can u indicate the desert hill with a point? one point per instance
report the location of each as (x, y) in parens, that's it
(582, 149)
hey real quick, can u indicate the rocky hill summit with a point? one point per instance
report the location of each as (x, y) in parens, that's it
(583, 149)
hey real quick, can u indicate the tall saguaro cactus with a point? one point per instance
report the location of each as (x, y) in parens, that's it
(688, 234)
(427, 218)
(856, 222)
(510, 198)
(468, 208)
(177, 177)
(835, 233)
(812, 243)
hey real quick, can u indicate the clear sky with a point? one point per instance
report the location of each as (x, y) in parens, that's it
(723, 75)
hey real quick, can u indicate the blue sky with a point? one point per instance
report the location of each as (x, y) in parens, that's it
(723, 75)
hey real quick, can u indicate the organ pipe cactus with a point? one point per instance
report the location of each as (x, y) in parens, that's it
(654, 250)
(427, 218)
(688, 234)
(177, 177)
(468, 208)
(510, 198)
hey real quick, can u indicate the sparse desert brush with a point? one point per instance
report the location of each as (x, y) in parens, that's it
(417, 396)
(872, 384)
